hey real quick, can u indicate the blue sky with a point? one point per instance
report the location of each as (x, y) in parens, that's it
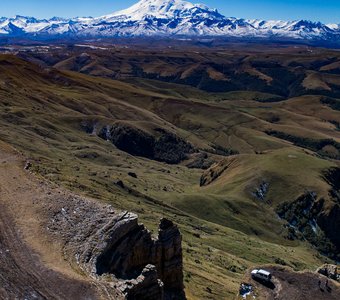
(327, 11)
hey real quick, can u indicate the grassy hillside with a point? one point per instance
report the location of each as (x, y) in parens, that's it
(225, 205)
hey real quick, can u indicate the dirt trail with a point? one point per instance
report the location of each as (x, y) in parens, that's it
(32, 265)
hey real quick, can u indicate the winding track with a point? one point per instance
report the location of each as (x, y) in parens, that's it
(31, 265)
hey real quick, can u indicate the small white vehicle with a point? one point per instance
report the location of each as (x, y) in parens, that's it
(261, 275)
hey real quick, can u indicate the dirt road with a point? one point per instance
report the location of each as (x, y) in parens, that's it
(31, 263)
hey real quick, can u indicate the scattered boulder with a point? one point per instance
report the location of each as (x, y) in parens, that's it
(132, 174)
(28, 165)
(119, 183)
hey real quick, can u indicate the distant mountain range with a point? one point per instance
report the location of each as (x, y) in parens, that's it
(167, 18)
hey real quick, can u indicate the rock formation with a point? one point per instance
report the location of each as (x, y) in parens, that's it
(330, 271)
(161, 145)
(146, 286)
(313, 219)
(169, 259)
(215, 171)
(329, 220)
(113, 245)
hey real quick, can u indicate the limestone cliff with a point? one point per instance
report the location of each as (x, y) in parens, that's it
(112, 246)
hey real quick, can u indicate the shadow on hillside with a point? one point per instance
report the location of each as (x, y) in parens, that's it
(267, 284)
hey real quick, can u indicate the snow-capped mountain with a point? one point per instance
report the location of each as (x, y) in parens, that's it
(167, 18)
(161, 9)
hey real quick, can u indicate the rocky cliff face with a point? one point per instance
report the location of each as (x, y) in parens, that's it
(311, 219)
(162, 146)
(169, 259)
(113, 246)
(329, 220)
(158, 144)
(163, 277)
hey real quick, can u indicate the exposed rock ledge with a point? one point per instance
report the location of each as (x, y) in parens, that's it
(114, 248)
(330, 271)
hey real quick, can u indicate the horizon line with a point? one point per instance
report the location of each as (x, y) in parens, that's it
(230, 17)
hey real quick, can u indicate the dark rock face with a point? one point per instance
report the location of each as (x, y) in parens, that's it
(165, 254)
(317, 223)
(132, 174)
(329, 220)
(214, 172)
(170, 266)
(201, 161)
(167, 147)
(131, 140)
(88, 126)
(332, 177)
(146, 286)
(126, 250)
(170, 148)
(108, 244)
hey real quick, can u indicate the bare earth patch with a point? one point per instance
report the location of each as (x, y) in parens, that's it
(34, 265)
(289, 285)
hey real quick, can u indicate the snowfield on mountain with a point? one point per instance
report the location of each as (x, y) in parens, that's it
(166, 18)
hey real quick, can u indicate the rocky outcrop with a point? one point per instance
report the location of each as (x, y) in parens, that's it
(261, 191)
(310, 219)
(201, 160)
(329, 219)
(146, 286)
(169, 259)
(215, 171)
(165, 253)
(330, 271)
(162, 145)
(108, 244)
(332, 177)
(129, 139)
